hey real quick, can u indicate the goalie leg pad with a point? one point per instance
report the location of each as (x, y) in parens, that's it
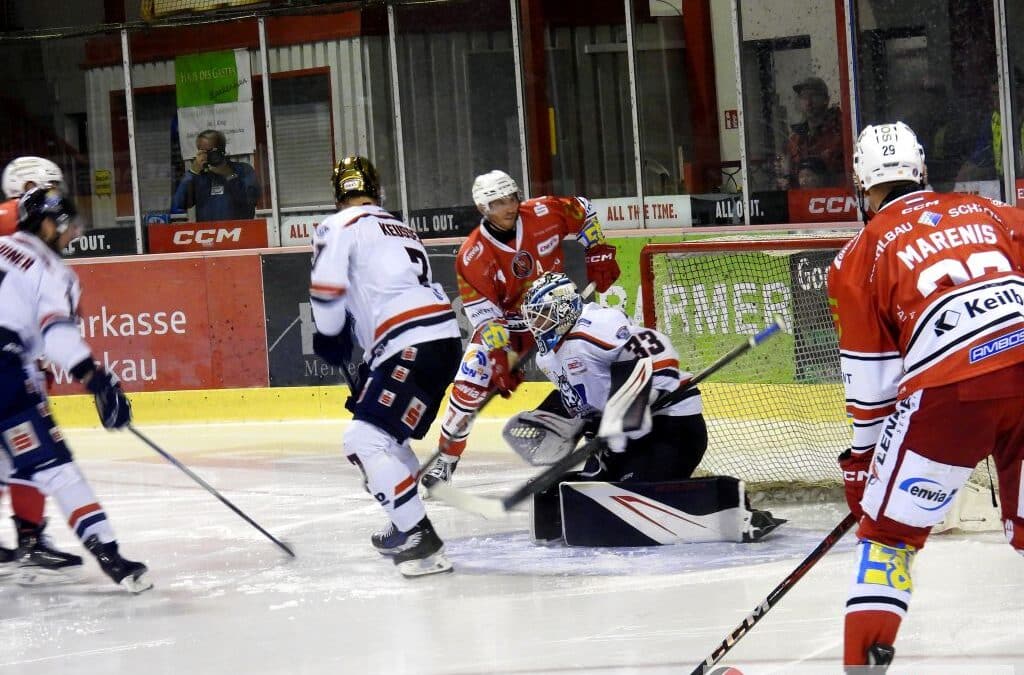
(645, 514)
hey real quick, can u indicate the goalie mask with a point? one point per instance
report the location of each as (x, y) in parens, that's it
(355, 176)
(888, 153)
(551, 307)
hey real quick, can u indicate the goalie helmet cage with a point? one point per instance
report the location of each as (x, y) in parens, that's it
(776, 417)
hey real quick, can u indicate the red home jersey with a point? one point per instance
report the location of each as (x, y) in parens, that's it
(930, 292)
(8, 217)
(494, 276)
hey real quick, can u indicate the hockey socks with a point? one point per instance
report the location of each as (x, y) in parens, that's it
(76, 500)
(388, 478)
(878, 601)
(27, 502)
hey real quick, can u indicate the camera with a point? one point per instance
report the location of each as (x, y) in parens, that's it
(215, 157)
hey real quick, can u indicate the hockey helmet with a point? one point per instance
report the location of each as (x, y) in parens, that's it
(355, 176)
(22, 170)
(492, 186)
(38, 204)
(551, 307)
(888, 153)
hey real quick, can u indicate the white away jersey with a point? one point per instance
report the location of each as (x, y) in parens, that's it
(580, 365)
(372, 266)
(39, 301)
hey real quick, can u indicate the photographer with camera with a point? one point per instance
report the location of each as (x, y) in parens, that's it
(219, 188)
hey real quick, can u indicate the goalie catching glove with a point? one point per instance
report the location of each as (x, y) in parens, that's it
(112, 406)
(856, 467)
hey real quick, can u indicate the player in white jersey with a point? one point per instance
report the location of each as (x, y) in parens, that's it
(588, 351)
(371, 285)
(39, 320)
(580, 348)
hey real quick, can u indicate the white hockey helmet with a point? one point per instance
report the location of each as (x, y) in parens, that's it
(888, 153)
(551, 307)
(493, 186)
(28, 169)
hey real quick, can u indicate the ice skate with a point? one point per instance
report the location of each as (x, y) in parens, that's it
(440, 471)
(424, 553)
(36, 559)
(390, 540)
(127, 573)
(761, 524)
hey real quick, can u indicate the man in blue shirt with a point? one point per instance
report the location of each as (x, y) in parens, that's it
(219, 188)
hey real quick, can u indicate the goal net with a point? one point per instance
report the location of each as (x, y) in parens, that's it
(776, 416)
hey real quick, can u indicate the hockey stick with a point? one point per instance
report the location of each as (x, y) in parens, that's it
(209, 489)
(490, 507)
(776, 595)
(519, 365)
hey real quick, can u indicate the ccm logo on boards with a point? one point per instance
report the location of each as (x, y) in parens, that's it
(231, 234)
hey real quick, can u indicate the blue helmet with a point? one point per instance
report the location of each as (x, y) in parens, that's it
(551, 307)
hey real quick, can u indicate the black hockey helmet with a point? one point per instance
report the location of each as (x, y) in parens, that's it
(355, 176)
(40, 203)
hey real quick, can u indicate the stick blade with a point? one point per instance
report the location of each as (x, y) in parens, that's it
(489, 508)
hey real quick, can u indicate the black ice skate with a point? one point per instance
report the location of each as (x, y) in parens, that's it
(424, 552)
(38, 562)
(391, 541)
(440, 471)
(879, 659)
(761, 524)
(127, 573)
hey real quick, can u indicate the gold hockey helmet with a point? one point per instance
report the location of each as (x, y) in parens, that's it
(354, 176)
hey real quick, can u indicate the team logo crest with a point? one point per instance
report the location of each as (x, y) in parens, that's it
(622, 333)
(522, 264)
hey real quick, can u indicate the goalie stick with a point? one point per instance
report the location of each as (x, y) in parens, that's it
(170, 458)
(490, 507)
(776, 595)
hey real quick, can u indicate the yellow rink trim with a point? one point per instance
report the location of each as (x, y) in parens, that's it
(258, 404)
(801, 402)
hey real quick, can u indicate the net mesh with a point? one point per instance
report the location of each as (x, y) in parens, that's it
(776, 416)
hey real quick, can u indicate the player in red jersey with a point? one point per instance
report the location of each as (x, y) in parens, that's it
(515, 243)
(928, 301)
(20, 176)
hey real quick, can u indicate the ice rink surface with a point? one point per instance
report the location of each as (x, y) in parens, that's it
(228, 601)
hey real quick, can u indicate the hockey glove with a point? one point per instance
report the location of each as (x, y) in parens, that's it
(504, 379)
(334, 349)
(855, 468)
(359, 375)
(601, 266)
(112, 405)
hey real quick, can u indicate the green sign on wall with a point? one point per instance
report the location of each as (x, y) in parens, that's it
(206, 79)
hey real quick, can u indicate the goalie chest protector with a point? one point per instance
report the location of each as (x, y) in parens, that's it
(646, 514)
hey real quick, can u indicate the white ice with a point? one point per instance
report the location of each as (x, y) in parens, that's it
(228, 601)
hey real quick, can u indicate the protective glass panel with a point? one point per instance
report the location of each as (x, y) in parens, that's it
(796, 114)
(456, 72)
(918, 64)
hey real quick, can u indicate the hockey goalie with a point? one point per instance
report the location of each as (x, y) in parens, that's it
(638, 489)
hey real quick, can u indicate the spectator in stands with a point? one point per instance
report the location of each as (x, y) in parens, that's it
(819, 136)
(812, 173)
(220, 189)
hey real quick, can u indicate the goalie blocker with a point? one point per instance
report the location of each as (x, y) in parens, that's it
(690, 511)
